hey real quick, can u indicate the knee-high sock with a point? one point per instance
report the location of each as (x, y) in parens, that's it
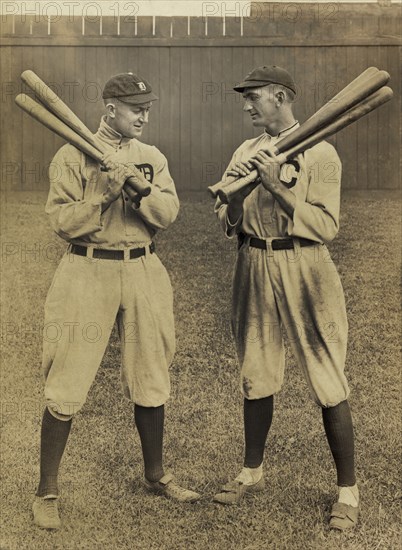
(339, 429)
(54, 435)
(149, 422)
(257, 421)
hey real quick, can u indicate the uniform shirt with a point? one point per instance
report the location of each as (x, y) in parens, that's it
(317, 190)
(76, 186)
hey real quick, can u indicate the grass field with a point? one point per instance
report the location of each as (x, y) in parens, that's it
(103, 504)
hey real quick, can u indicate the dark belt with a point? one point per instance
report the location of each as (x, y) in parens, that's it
(276, 244)
(103, 254)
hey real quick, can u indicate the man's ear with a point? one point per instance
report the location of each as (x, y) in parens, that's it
(280, 98)
(111, 110)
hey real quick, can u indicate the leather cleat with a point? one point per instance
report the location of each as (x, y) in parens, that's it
(234, 491)
(343, 516)
(167, 487)
(46, 513)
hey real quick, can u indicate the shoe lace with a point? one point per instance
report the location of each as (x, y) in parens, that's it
(177, 489)
(50, 505)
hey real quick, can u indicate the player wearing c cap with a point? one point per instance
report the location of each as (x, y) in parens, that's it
(109, 273)
(284, 278)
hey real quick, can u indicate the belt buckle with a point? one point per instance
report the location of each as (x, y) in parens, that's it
(126, 254)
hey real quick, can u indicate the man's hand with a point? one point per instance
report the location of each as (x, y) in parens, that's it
(117, 173)
(268, 169)
(138, 177)
(240, 169)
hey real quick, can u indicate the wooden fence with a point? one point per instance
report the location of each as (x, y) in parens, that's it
(193, 64)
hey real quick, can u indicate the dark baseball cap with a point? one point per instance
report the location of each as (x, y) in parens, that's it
(262, 76)
(129, 88)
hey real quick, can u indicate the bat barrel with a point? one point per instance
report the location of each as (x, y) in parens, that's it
(368, 104)
(48, 119)
(53, 102)
(334, 108)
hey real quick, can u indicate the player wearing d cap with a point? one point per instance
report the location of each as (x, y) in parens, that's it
(284, 278)
(109, 273)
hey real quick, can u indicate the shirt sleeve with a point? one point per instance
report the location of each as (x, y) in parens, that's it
(160, 208)
(71, 215)
(317, 218)
(221, 209)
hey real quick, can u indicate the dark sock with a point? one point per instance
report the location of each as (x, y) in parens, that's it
(54, 435)
(257, 421)
(339, 429)
(149, 422)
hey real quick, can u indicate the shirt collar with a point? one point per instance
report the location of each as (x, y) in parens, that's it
(284, 132)
(108, 134)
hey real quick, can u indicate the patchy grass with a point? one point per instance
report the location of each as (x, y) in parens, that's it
(103, 504)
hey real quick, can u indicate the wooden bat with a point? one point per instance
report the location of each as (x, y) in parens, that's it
(42, 115)
(331, 110)
(365, 75)
(369, 81)
(367, 105)
(52, 101)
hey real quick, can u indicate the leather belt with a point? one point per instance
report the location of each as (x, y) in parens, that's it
(285, 243)
(104, 254)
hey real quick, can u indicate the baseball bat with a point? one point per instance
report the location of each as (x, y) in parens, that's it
(332, 109)
(367, 105)
(52, 101)
(42, 115)
(361, 87)
(365, 75)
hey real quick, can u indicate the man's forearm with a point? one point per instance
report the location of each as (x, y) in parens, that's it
(285, 197)
(234, 211)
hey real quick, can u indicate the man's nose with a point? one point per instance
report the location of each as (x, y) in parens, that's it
(247, 106)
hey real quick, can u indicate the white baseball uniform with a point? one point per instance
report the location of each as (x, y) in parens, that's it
(88, 294)
(298, 290)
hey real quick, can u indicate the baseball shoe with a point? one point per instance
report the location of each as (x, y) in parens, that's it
(234, 491)
(46, 513)
(167, 487)
(343, 516)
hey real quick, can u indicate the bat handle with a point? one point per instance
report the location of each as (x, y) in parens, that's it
(228, 191)
(218, 189)
(214, 189)
(143, 189)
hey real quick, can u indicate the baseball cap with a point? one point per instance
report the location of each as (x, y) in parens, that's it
(129, 88)
(262, 76)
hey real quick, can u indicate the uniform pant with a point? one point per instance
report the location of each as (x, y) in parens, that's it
(85, 299)
(298, 291)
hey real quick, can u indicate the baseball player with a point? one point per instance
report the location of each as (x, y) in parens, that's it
(285, 279)
(109, 273)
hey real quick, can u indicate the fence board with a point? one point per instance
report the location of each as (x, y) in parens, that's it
(206, 112)
(191, 130)
(10, 120)
(185, 119)
(394, 129)
(372, 135)
(196, 117)
(174, 154)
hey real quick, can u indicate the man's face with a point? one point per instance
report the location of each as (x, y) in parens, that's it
(259, 103)
(129, 120)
